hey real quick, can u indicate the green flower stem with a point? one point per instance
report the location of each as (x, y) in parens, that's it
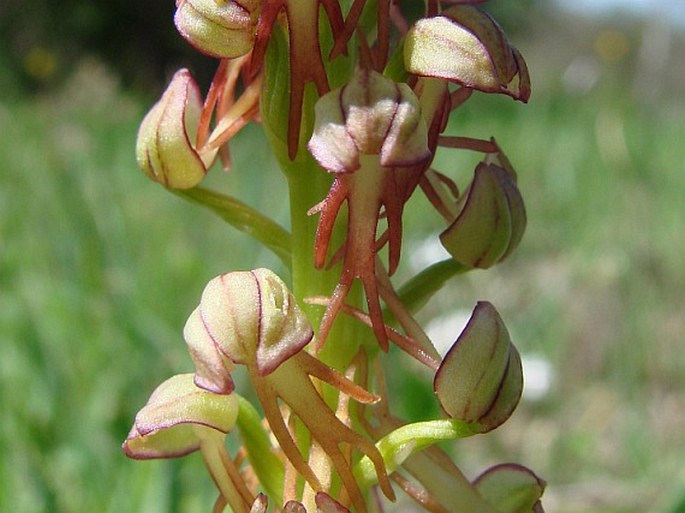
(398, 445)
(308, 185)
(267, 466)
(446, 483)
(416, 292)
(216, 459)
(244, 218)
(442, 479)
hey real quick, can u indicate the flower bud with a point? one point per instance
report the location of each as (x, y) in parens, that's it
(480, 379)
(218, 28)
(293, 506)
(260, 504)
(326, 504)
(467, 46)
(164, 148)
(371, 115)
(491, 222)
(511, 488)
(251, 318)
(167, 425)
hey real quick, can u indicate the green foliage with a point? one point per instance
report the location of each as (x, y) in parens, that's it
(88, 248)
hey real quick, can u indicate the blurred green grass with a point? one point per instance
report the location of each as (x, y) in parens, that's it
(99, 269)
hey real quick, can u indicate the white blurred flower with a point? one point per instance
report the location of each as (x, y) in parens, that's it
(538, 376)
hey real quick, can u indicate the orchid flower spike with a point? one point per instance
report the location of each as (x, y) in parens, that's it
(354, 100)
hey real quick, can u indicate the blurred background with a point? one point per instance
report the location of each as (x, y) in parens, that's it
(99, 267)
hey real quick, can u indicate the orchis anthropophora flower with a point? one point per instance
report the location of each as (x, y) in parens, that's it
(220, 29)
(487, 60)
(368, 133)
(165, 148)
(180, 418)
(355, 101)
